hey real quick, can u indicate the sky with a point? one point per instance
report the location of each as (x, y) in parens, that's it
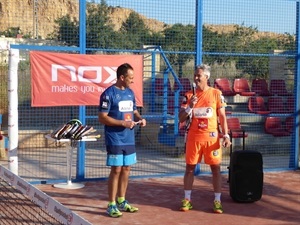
(266, 15)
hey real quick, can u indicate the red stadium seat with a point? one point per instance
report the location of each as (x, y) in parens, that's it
(256, 104)
(223, 84)
(277, 87)
(274, 126)
(236, 130)
(171, 106)
(186, 85)
(290, 104)
(160, 87)
(241, 87)
(276, 105)
(260, 87)
(289, 124)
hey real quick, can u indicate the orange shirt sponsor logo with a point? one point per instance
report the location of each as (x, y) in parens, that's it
(204, 119)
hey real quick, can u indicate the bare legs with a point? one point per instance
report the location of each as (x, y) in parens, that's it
(188, 179)
(216, 178)
(118, 182)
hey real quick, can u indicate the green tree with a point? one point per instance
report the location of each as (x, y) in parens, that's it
(100, 32)
(257, 66)
(241, 37)
(216, 43)
(241, 41)
(11, 32)
(134, 32)
(67, 31)
(286, 42)
(180, 39)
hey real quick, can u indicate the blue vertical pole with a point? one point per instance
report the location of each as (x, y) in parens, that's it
(293, 162)
(153, 74)
(199, 30)
(82, 114)
(198, 58)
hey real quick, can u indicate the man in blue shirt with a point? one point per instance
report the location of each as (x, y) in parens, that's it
(119, 114)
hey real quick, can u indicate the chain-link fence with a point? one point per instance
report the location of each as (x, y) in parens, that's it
(238, 39)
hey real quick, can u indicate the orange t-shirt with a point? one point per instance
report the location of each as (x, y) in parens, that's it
(204, 124)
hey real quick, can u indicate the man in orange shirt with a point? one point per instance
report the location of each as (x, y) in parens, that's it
(204, 108)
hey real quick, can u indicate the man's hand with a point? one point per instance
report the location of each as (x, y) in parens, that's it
(193, 101)
(128, 124)
(226, 142)
(142, 122)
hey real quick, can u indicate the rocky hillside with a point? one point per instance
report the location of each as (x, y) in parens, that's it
(16, 13)
(37, 17)
(119, 15)
(24, 14)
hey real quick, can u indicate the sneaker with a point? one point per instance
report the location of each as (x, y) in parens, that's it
(124, 206)
(186, 205)
(113, 211)
(218, 207)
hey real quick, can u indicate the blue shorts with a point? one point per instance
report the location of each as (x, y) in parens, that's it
(121, 155)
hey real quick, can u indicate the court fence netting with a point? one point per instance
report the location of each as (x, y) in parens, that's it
(22, 203)
(235, 38)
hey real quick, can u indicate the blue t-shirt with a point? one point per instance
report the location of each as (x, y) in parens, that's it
(119, 104)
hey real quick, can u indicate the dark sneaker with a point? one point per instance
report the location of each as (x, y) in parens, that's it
(218, 207)
(124, 206)
(186, 205)
(113, 211)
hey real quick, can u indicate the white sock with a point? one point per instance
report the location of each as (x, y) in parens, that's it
(218, 197)
(187, 194)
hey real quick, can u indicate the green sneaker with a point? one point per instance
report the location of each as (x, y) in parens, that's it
(113, 211)
(186, 205)
(124, 206)
(218, 207)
